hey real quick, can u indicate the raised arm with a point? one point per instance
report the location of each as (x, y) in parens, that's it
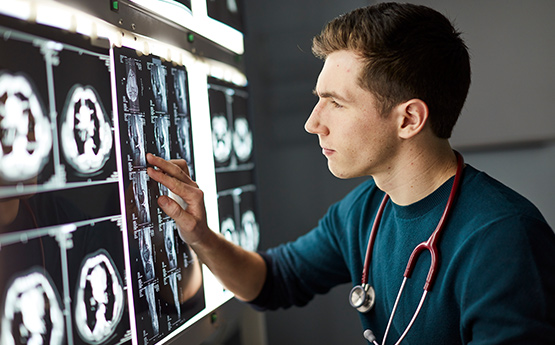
(242, 272)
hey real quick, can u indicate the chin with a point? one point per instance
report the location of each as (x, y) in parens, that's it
(342, 174)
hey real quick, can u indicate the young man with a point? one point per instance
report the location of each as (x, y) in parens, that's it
(394, 81)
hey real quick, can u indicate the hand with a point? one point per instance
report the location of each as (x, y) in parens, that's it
(174, 174)
(242, 272)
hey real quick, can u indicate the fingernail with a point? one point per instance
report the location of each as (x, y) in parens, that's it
(162, 201)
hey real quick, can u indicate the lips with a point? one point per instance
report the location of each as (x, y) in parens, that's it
(327, 152)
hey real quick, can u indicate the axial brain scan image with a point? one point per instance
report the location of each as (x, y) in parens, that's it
(227, 228)
(99, 299)
(25, 130)
(86, 132)
(221, 138)
(250, 232)
(32, 312)
(242, 139)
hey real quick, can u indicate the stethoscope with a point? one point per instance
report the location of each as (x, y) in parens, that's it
(362, 297)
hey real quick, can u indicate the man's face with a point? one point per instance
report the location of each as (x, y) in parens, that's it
(354, 137)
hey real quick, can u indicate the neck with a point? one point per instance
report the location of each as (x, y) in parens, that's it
(417, 173)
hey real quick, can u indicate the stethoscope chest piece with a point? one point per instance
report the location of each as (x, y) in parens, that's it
(362, 297)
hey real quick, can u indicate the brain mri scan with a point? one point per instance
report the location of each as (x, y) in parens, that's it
(25, 130)
(242, 139)
(250, 232)
(99, 299)
(32, 312)
(86, 132)
(222, 139)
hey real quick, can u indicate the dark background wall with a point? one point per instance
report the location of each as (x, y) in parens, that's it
(295, 186)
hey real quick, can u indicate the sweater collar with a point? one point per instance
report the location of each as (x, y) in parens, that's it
(437, 198)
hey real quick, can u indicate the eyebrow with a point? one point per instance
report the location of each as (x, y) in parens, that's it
(329, 94)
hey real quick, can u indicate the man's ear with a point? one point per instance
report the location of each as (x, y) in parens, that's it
(413, 115)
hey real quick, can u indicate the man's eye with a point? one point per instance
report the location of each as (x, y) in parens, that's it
(336, 105)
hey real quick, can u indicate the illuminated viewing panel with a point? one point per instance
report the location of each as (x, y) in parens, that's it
(218, 20)
(86, 254)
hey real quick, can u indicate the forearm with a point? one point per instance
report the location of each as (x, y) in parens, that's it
(240, 271)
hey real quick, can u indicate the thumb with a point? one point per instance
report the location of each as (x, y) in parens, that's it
(186, 223)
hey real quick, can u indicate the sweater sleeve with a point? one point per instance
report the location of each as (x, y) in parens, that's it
(508, 294)
(299, 270)
(320, 259)
(316, 261)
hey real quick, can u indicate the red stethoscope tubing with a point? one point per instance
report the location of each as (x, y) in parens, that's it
(373, 234)
(430, 244)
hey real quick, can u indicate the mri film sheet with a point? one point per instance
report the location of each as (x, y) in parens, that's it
(153, 101)
(154, 117)
(180, 294)
(97, 284)
(70, 292)
(45, 243)
(83, 99)
(166, 278)
(232, 142)
(222, 134)
(180, 130)
(232, 137)
(55, 132)
(238, 220)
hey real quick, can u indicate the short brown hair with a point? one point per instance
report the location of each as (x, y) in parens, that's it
(409, 51)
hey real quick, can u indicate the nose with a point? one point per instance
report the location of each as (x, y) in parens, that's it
(314, 124)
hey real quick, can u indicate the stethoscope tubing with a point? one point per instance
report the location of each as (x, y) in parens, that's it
(394, 310)
(430, 245)
(373, 234)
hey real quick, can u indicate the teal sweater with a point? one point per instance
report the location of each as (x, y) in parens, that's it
(496, 280)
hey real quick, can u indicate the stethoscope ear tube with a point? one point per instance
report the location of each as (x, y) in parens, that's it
(373, 234)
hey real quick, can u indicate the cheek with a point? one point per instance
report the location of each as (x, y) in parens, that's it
(360, 135)
(369, 139)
